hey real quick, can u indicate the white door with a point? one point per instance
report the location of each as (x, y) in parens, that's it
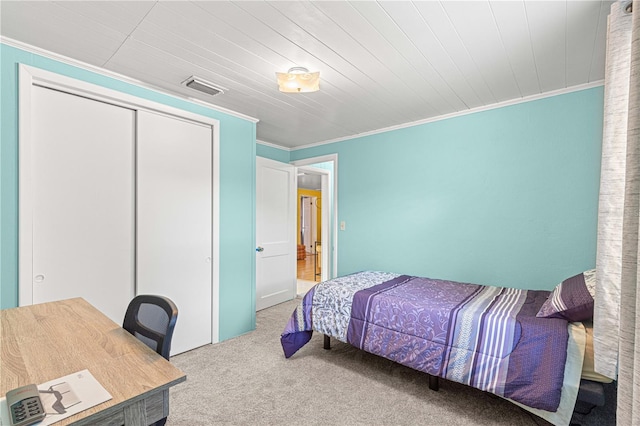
(82, 208)
(309, 223)
(305, 223)
(275, 232)
(174, 221)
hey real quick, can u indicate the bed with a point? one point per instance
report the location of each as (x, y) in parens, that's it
(523, 345)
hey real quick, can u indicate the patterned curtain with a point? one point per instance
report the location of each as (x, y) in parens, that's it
(617, 311)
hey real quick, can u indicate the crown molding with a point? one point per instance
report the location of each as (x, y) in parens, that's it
(273, 145)
(497, 105)
(111, 74)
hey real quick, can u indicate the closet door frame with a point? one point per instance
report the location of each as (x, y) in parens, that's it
(31, 76)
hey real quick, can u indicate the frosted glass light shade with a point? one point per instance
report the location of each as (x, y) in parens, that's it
(298, 80)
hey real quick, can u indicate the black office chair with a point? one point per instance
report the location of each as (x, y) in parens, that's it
(152, 319)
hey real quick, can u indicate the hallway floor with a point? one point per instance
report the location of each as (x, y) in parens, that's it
(306, 267)
(306, 274)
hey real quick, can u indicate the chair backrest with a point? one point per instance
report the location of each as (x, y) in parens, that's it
(152, 319)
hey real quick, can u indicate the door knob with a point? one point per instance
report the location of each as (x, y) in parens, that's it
(39, 278)
(259, 249)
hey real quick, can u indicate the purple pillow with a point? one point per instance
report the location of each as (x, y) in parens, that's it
(572, 299)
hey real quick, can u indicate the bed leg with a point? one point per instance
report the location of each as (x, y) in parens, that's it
(327, 342)
(434, 384)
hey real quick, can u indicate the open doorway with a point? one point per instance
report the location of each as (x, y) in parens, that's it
(309, 228)
(316, 210)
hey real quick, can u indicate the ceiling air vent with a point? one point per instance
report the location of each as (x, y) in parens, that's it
(203, 86)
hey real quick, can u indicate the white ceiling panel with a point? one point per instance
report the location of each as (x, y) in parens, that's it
(600, 43)
(548, 30)
(581, 40)
(407, 17)
(443, 23)
(356, 81)
(478, 32)
(52, 27)
(511, 19)
(177, 36)
(404, 75)
(378, 17)
(122, 17)
(137, 57)
(373, 71)
(382, 63)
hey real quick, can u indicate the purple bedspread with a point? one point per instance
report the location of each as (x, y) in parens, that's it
(483, 336)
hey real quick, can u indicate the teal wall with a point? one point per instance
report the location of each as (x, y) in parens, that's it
(272, 153)
(237, 189)
(506, 196)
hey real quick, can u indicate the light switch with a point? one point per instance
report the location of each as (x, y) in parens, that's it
(343, 225)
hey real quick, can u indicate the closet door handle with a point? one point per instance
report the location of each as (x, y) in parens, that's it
(259, 249)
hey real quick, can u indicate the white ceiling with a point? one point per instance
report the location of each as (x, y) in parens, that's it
(309, 181)
(382, 64)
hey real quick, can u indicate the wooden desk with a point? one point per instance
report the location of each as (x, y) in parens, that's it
(42, 342)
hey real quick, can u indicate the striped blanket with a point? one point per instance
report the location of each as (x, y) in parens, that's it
(486, 337)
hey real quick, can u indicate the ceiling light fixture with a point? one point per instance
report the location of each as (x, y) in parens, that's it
(298, 80)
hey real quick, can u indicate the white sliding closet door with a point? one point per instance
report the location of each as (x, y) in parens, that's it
(174, 221)
(83, 209)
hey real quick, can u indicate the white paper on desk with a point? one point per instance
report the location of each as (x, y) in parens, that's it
(65, 397)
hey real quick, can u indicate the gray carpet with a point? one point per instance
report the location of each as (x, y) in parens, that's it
(248, 381)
